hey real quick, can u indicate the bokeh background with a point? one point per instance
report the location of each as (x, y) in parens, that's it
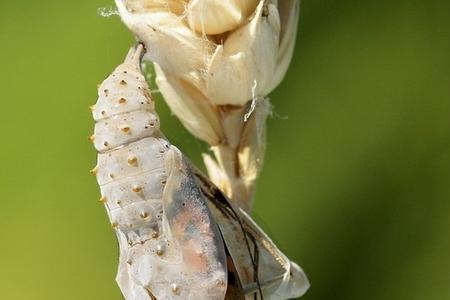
(356, 186)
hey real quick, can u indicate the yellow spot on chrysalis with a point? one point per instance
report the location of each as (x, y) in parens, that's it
(92, 107)
(137, 189)
(102, 199)
(125, 129)
(133, 161)
(155, 235)
(175, 289)
(122, 100)
(159, 250)
(144, 214)
(114, 225)
(91, 137)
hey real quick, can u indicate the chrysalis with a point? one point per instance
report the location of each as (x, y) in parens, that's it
(179, 236)
(170, 248)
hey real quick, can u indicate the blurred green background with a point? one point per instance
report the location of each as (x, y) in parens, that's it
(356, 186)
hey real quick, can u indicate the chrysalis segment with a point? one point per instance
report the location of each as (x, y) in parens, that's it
(124, 129)
(138, 157)
(165, 253)
(125, 90)
(145, 186)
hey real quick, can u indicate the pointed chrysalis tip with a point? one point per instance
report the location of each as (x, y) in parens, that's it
(135, 55)
(94, 170)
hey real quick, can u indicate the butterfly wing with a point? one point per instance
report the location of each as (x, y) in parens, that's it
(193, 230)
(261, 266)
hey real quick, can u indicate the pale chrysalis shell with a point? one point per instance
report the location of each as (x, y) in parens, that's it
(170, 245)
(170, 248)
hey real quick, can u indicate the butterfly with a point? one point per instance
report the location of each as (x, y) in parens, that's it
(179, 236)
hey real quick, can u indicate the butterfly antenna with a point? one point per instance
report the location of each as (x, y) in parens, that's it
(253, 257)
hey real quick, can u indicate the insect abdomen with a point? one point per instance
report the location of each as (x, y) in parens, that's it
(130, 166)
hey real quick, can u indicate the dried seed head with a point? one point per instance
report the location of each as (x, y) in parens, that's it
(259, 50)
(234, 53)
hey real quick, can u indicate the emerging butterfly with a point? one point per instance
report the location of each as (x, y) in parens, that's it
(179, 237)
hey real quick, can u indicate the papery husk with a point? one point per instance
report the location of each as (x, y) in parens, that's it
(216, 174)
(248, 56)
(169, 41)
(289, 11)
(252, 146)
(174, 6)
(190, 106)
(218, 16)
